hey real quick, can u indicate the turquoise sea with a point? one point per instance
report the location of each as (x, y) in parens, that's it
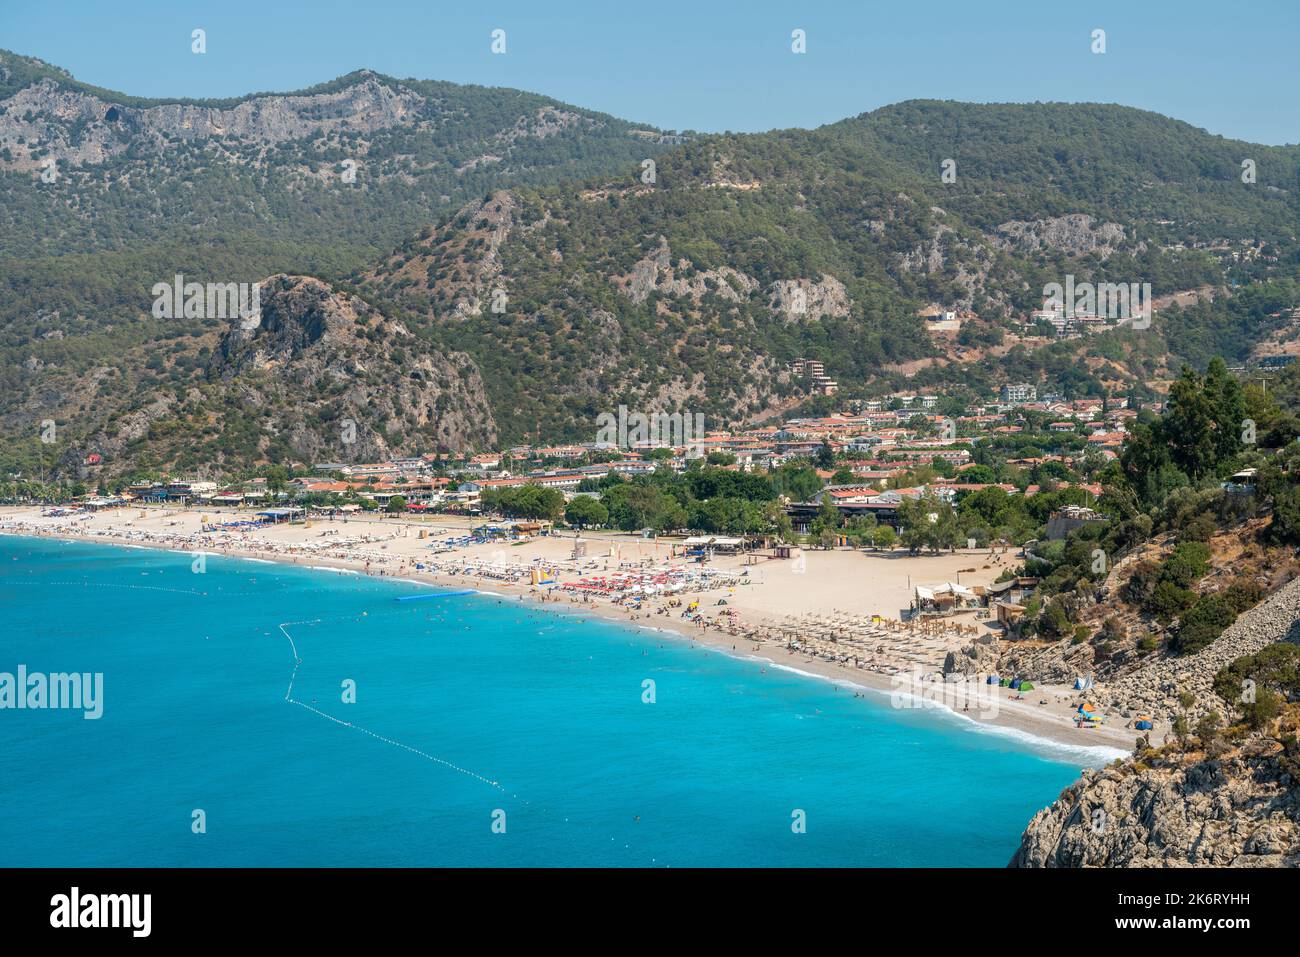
(469, 709)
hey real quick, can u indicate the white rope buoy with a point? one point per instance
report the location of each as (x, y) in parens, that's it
(288, 696)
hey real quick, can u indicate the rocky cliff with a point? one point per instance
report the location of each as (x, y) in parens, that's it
(384, 391)
(79, 128)
(56, 117)
(1239, 810)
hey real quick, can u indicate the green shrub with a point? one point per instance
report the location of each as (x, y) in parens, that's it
(1203, 623)
(1168, 601)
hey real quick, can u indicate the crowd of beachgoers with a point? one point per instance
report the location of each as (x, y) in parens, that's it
(647, 586)
(661, 590)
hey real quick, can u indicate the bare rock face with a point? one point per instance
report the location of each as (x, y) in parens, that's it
(319, 359)
(802, 300)
(657, 273)
(795, 300)
(974, 659)
(133, 426)
(81, 129)
(491, 221)
(1243, 811)
(547, 121)
(1074, 234)
(946, 252)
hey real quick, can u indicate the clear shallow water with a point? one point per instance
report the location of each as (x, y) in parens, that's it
(547, 704)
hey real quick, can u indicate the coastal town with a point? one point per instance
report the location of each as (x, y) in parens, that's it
(940, 513)
(865, 455)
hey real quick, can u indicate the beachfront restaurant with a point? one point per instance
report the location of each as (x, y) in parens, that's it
(706, 545)
(946, 597)
(288, 513)
(95, 504)
(803, 514)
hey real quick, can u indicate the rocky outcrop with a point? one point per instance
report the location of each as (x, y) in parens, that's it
(341, 382)
(1166, 808)
(490, 222)
(802, 300)
(795, 300)
(657, 273)
(547, 121)
(1074, 234)
(948, 253)
(455, 271)
(979, 658)
(1239, 811)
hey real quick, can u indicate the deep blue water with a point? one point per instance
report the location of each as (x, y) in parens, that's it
(547, 704)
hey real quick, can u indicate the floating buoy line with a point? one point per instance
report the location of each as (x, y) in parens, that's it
(288, 696)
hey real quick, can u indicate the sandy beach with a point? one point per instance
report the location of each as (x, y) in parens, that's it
(832, 614)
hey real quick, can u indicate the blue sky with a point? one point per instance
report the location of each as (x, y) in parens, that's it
(1231, 68)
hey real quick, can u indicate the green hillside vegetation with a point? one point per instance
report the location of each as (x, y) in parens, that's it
(859, 202)
(807, 209)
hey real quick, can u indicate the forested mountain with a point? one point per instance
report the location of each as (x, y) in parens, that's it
(103, 195)
(352, 166)
(563, 261)
(745, 252)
